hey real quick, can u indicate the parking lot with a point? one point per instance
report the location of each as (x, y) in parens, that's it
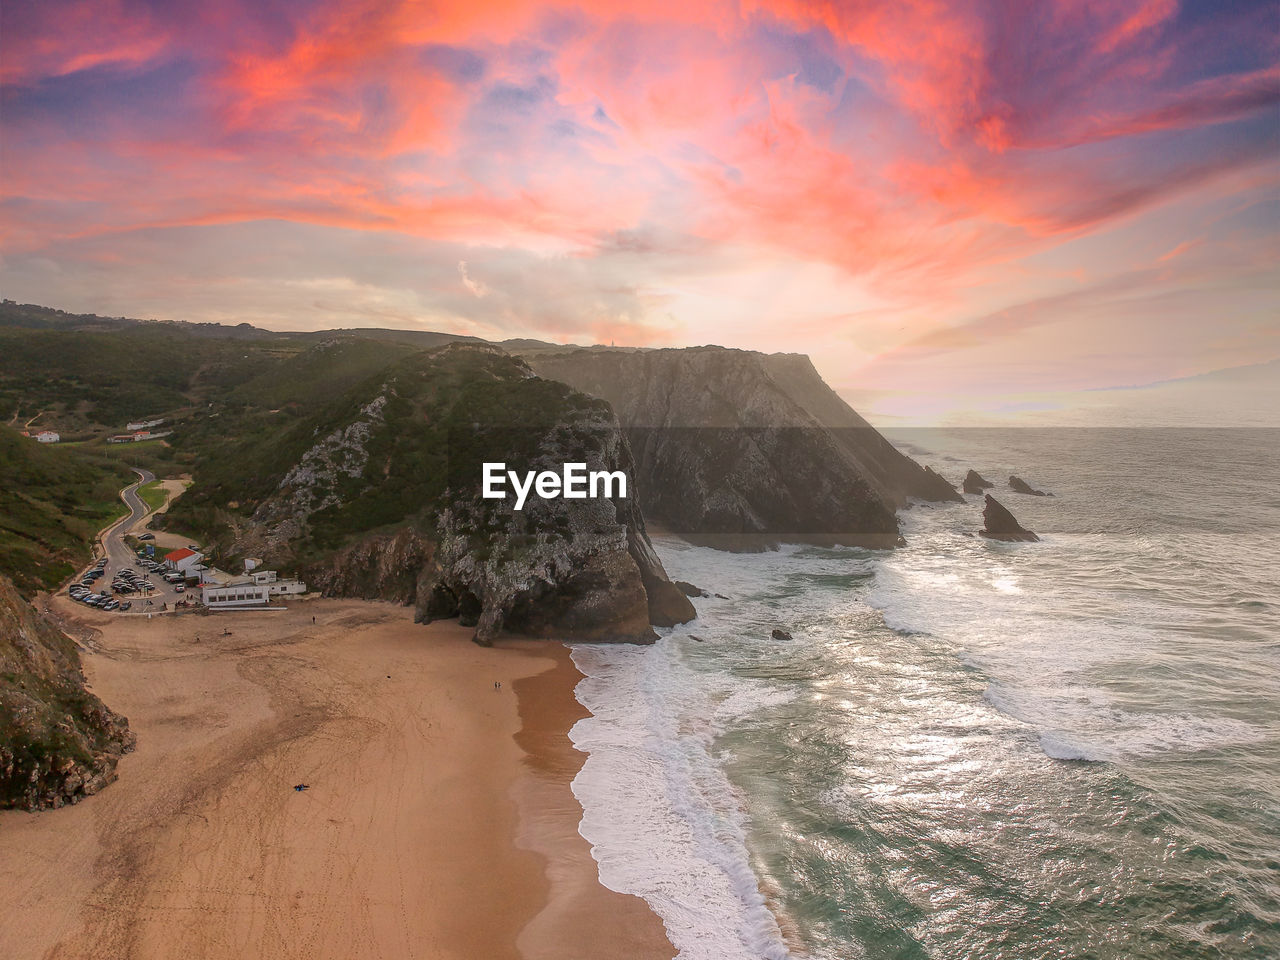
(121, 577)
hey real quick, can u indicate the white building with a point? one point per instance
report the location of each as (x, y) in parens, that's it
(279, 586)
(286, 588)
(47, 436)
(249, 591)
(238, 593)
(184, 561)
(143, 424)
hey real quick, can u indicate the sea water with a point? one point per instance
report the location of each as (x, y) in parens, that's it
(969, 749)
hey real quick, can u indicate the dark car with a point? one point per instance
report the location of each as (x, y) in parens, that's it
(147, 536)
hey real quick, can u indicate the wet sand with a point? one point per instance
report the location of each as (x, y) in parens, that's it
(432, 825)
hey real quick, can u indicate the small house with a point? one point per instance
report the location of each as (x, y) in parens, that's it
(184, 561)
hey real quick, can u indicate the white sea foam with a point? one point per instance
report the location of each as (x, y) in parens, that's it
(663, 821)
(1042, 626)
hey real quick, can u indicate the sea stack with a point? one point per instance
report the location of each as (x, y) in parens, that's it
(974, 482)
(1018, 485)
(1000, 524)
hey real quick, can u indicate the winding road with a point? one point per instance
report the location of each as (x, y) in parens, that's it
(120, 556)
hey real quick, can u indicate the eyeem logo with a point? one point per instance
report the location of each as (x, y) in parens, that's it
(573, 483)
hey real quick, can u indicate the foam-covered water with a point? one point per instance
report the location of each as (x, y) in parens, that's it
(1062, 749)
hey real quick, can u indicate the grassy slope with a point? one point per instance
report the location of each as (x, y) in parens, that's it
(99, 381)
(413, 454)
(52, 503)
(242, 413)
(153, 495)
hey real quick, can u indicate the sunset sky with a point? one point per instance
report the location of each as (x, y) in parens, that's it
(960, 202)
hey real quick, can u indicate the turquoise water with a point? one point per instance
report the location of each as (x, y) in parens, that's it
(969, 749)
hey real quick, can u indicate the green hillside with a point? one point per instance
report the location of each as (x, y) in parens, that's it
(430, 400)
(53, 500)
(319, 373)
(98, 381)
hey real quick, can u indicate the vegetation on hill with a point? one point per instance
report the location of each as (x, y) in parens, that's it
(319, 373)
(95, 380)
(431, 400)
(153, 495)
(58, 742)
(53, 501)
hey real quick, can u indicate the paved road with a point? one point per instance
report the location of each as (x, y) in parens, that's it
(120, 556)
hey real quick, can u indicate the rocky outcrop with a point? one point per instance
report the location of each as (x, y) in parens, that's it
(1018, 485)
(779, 634)
(580, 569)
(58, 742)
(384, 566)
(999, 523)
(974, 482)
(742, 450)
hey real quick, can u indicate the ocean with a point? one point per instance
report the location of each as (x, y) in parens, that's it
(968, 749)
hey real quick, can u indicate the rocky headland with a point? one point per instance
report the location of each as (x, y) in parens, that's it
(744, 450)
(384, 501)
(58, 742)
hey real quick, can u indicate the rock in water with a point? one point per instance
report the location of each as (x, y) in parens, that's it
(1000, 524)
(780, 634)
(689, 590)
(974, 482)
(1018, 485)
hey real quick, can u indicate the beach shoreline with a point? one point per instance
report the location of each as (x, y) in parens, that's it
(437, 819)
(582, 920)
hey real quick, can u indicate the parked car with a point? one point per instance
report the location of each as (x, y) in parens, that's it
(147, 536)
(126, 605)
(179, 589)
(111, 605)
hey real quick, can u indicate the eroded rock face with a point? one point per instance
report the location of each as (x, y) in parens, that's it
(974, 482)
(742, 450)
(385, 566)
(58, 742)
(1000, 524)
(572, 569)
(1018, 485)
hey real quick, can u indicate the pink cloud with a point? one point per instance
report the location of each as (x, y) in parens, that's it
(947, 139)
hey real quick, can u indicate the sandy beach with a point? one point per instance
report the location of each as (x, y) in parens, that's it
(437, 819)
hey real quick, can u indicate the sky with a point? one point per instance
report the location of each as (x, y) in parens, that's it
(950, 206)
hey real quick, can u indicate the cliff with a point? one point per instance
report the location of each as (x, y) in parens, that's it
(58, 742)
(743, 450)
(383, 501)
